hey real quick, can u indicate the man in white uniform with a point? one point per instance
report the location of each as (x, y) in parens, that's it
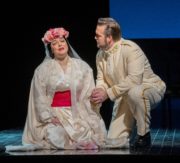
(124, 75)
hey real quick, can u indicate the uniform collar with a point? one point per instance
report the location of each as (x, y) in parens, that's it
(113, 49)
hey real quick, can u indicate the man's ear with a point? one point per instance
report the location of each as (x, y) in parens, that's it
(109, 39)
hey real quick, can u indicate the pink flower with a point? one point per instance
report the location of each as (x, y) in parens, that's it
(54, 33)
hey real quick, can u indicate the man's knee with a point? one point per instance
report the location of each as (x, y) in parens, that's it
(135, 94)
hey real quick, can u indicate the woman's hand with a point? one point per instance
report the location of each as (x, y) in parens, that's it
(55, 121)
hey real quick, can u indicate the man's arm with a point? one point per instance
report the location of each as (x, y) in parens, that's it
(135, 69)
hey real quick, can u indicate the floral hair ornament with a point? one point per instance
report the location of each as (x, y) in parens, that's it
(54, 33)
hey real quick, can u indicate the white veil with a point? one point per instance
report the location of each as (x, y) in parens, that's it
(73, 54)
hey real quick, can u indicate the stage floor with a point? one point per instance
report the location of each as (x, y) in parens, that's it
(164, 142)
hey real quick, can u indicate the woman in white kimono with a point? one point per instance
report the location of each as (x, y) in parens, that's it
(60, 115)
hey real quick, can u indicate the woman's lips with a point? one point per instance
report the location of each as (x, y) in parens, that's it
(61, 49)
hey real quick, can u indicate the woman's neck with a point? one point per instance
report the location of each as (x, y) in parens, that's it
(63, 62)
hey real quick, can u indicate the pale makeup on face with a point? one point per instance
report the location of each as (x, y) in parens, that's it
(59, 48)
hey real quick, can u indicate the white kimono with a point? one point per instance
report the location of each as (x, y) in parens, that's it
(80, 124)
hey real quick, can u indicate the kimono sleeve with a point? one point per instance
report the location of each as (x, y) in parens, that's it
(41, 101)
(88, 86)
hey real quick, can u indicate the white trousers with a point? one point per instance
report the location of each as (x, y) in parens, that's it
(135, 105)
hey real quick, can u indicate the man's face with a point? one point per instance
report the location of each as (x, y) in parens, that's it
(100, 37)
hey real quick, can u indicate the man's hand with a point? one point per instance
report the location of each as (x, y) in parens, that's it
(98, 95)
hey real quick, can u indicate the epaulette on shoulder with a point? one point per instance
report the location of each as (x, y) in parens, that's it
(129, 43)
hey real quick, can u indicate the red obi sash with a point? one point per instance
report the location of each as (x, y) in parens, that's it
(61, 99)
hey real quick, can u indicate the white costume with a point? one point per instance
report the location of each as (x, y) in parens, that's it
(79, 123)
(125, 74)
(66, 96)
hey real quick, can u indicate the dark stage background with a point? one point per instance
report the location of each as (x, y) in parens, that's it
(22, 51)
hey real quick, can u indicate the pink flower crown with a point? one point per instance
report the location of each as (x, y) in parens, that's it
(54, 33)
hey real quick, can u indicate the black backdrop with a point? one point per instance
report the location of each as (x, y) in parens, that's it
(22, 27)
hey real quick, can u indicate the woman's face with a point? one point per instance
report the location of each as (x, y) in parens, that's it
(59, 48)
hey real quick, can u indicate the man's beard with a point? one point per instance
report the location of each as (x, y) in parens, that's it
(104, 47)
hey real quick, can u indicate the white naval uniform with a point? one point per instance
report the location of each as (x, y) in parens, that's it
(125, 74)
